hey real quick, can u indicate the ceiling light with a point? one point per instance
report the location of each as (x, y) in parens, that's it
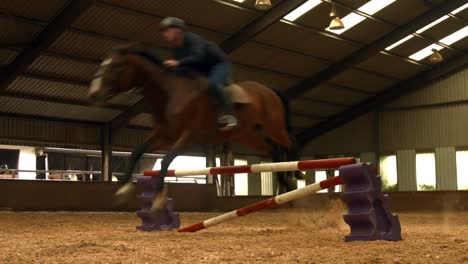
(336, 22)
(370, 8)
(436, 57)
(350, 21)
(262, 4)
(301, 10)
(239, 1)
(425, 52)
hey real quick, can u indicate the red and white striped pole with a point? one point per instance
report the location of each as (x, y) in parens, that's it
(271, 202)
(263, 167)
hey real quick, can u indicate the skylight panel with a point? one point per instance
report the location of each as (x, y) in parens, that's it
(421, 30)
(458, 10)
(301, 10)
(375, 6)
(353, 19)
(428, 26)
(399, 42)
(458, 35)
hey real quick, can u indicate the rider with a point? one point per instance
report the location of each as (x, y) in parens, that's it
(191, 50)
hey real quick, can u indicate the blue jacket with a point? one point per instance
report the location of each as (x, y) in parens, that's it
(199, 54)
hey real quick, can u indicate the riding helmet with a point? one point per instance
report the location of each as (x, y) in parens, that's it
(169, 22)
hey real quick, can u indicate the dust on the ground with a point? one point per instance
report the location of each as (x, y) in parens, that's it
(273, 236)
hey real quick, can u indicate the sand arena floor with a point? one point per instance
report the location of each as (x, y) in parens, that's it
(275, 236)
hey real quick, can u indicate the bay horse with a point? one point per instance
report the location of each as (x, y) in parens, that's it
(184, 114)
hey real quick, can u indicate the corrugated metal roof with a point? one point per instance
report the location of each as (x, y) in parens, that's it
(316, 108)
(228, 19)
(32, 86)
(129, 98)
(241, 73)
(63, 68)
(300, 121)
(114, 22)
(144, 119)
(43, 11)
(15, 32)
(7, 56)
(362, 80)
(391, 66)
(335, 94)
(38, 108)
(411, 46)
(368, 31)
(403, 11)
(84, 45)
(445, 28)
(302, 40)
(277, 60)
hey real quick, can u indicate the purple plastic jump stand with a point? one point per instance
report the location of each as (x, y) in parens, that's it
(369, 215)
(166, 220)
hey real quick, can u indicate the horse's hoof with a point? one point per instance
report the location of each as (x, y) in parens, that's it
(159, 202)
(123, 193)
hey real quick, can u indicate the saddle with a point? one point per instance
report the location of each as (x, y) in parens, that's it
(238, 94)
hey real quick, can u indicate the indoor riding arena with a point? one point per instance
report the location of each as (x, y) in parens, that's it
(234, 131)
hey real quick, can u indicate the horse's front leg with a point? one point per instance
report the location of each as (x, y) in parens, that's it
(161, 190)
(128, 189)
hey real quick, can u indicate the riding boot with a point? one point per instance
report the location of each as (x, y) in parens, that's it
(226, 116)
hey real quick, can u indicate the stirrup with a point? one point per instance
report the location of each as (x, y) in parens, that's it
(227, 122)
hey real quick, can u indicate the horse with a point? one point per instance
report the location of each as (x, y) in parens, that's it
(184, 114)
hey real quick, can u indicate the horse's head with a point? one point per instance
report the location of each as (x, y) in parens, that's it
(118, 73)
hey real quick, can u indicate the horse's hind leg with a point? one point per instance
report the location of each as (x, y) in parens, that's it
(278, 153)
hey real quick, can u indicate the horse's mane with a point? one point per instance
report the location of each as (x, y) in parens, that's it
(146, 50)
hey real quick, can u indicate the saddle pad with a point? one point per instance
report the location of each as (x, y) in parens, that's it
(238, 94)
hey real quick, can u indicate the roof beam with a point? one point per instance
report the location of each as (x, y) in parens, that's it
(370, 50)
(385, 97)
(47, 36)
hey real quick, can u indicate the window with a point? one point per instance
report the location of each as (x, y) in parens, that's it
(183, 163)
(388, 172)
(320, 176)
(241, 180)
(301, 184)
(462, 170)
(337, 187)
(267, 182)
(425, 171)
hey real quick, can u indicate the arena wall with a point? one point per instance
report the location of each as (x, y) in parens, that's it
(25, 195)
